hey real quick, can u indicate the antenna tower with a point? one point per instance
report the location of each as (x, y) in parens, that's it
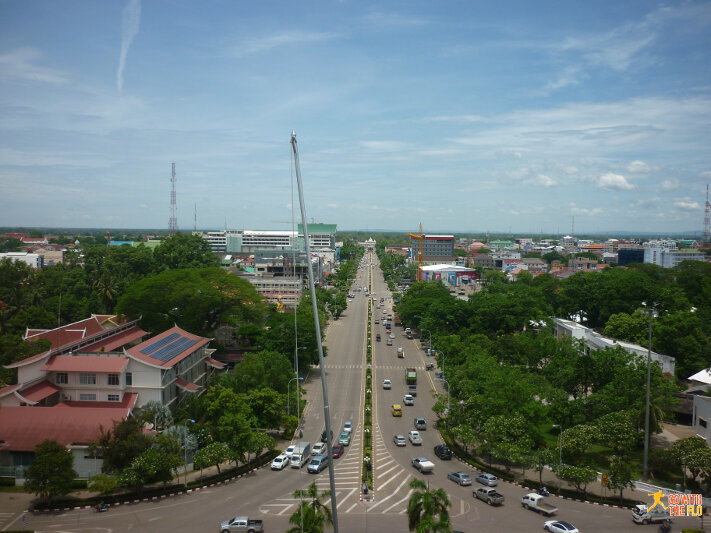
(173, 224)
(707, 218)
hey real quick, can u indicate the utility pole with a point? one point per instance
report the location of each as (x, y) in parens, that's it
(173, 223)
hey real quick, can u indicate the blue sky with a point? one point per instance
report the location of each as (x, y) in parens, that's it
(460, 115)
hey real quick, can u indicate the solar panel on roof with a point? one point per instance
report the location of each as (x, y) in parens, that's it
(168, 352)
(148, 350)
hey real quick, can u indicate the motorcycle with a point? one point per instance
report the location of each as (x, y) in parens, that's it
(101, 508)
(665, 527)
(544, 491)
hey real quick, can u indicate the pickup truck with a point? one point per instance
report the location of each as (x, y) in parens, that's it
(489, 496)
(423, 464)
(241, 523)
(536, 502)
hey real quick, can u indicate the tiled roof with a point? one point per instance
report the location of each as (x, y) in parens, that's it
(23, 428)
(186, 385)
(215, 364)
(136, 351)
(59, 337)
(9, 389)
(86, 363)
(127, 402)
(117, 341)
(39, 391)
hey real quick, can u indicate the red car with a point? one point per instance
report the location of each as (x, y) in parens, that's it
(337, 450)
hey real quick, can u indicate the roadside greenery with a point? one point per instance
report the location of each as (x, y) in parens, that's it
(510, 380)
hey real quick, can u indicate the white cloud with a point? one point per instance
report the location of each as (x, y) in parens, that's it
(570, 169)
(616, 182)
(669, 185)
(384, 146)
(130, 23)
(705, 174)
(19, 64)
(543, 181)
(637, 167)
(143, 206)
(584, 211)
(263, 44)
(333, 206)
(687, 204)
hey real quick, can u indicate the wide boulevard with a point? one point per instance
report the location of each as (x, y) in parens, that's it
(268, 495)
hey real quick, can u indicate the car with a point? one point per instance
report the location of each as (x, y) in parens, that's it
(489, 480)
(443, 452)
(280, 462)
(560, 526)
(423, 464)
(397, 409)
(344, 439)
(337, 450)
(429, 365)
(462, 478)
(420, 423)
(317, 463)
(390, 342)
(290, 450)
(400, 440)
(392, 335)
(387, 384)
(408, 399)
(414, 437)
(377, 321)
(319, 448)
(412, 389)
(347, 426)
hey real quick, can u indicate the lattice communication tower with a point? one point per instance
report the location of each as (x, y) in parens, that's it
(707, 219)
(173, 223)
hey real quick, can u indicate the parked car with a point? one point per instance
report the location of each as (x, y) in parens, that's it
(387, 384)
(443, 452)
(377, 321)
(489, 480)
(408, 399)
(337, 450)
(280, 462)
(414, 437)
(400, 440)
(344, 439)
(560, 526)
(462, 478)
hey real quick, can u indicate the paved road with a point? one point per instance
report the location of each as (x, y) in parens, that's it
(267, 494)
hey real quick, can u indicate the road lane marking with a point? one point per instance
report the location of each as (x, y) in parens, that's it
(407, 477)
(407, 496)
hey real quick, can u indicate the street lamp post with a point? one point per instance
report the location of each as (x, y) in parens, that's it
(646, 405)
(560, 455)
(288, 395)
(185, 451)
(430, 332)
(446, 383)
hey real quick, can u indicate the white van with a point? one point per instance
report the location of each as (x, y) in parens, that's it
(642, 515)
(301, 455)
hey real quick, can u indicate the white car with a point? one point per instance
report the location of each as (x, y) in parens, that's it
(399, 440)
(408, 399)
(319, 448)
(387, 384)
(290, 450)
(347, 426)
(414, 437)
(560, 526)
(280, 462)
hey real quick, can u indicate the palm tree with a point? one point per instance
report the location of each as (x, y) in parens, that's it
(313, 517)
(427, 511)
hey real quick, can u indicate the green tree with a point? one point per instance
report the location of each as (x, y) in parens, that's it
(578, 440)
(212, 454)
(316, 515)
(156, 414)
(686, 453)
(184, 251)
(507, 439)
(151, 466)
(618, 432)
(427, 510)
(102, 483)
(541, 458)
(51, 472)
(120, 445)
(620, 475)
(579, 476)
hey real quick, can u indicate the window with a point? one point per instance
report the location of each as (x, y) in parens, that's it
(87, 379)
(113, 379)
(702, 422)
(129, 378)
(87, 397)
(113, 397)
(61, 378)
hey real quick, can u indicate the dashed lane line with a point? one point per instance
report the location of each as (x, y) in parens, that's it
(407, 497)
(407, 477)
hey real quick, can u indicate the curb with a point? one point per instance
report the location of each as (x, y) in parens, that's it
(148, 499)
